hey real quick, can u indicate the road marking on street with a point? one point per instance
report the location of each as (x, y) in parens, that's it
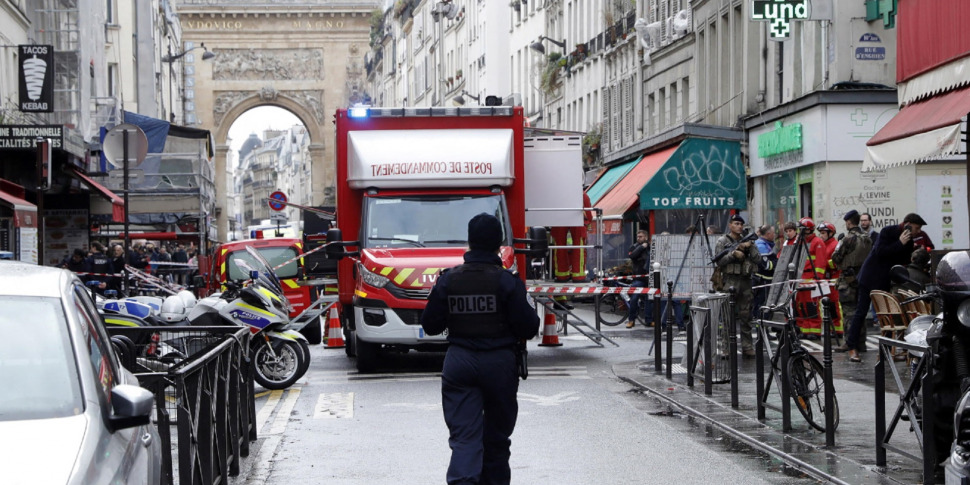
(535, 372)
(267, 410)
(334, 405)
(816, 345)
(262, 462)
(558, 372)
(283, 415)
(422, 406)
(555, 400)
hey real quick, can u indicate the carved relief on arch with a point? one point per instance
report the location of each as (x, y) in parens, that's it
(309, 100)
(268, 64)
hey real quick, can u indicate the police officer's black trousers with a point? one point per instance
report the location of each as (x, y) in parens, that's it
(478, 396)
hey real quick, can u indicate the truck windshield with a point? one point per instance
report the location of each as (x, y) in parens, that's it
(274, 255)
(425, 221)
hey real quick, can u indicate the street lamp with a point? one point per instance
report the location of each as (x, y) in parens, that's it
(538, 47)
(170, 59)
(460, 100)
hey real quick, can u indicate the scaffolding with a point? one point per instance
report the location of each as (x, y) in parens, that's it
(58, 24)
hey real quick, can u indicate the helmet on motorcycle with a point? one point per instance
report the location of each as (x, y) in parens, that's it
(827, 226)
(806, 223)
(188, 298)
(173, 309)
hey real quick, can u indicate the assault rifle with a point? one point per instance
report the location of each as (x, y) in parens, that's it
(730, 249)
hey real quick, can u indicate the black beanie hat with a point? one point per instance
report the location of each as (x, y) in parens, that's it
(484, 233)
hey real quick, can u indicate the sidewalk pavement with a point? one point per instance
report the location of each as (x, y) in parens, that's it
(853, 458)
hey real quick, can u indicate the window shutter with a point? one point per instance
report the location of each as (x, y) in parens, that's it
(606, 131)
(616, 114)
(628, 104)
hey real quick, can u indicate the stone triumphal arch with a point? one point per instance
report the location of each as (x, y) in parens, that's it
(303, 56)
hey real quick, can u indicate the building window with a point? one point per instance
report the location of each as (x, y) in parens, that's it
(112, 79)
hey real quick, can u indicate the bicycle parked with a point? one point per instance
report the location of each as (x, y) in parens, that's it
(805, 374)
(614, 308)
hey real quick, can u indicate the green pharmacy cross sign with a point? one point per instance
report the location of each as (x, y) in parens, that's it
(779, 14)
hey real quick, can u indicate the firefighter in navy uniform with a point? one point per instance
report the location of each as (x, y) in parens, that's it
(486, 312)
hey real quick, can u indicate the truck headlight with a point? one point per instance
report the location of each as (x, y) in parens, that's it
(373, 279)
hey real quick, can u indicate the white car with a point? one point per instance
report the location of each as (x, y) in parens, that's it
(69, 412)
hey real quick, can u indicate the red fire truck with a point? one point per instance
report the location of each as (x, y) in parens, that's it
(408, 182)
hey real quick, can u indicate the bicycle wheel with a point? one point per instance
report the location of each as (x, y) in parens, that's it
(807, 387)
(612, 309)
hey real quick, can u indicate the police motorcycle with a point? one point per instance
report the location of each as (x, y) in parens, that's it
(948, 336)
(280, 355)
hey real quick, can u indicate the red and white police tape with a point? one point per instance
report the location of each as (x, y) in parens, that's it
(591, 290)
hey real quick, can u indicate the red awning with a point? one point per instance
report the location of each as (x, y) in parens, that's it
(623, 196)
(924, 130)
(117, 203)
(24, 213)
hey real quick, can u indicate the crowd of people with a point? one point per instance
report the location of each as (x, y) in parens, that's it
(100, 267)
(843, 267)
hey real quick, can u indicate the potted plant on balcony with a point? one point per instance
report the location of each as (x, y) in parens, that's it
(458, 74)
(551, 78)
(400, 6)
(591, 145)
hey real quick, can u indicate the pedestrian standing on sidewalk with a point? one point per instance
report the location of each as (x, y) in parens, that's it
(848, 257)
(640, 258)
(486, 312)
(766, 267)
(894, 246)
(737, 268)
(865, 224)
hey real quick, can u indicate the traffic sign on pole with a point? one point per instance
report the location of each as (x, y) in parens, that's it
(277, 200)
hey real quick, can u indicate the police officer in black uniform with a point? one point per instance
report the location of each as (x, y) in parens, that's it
(100, 264)
(486, 312)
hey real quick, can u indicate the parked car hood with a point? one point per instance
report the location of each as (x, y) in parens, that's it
(44, 450)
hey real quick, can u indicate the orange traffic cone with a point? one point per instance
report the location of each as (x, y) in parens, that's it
(550, 338)
(335, 335)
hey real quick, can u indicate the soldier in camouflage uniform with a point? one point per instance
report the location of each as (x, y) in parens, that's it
(848, 256)
(736, 269)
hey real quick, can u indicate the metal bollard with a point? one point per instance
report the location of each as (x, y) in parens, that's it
(827, 372)
(657, 357)
(785, 351)
(708, 351)
(670, 329)
(690, 355)
(732, 324)
(759, 366)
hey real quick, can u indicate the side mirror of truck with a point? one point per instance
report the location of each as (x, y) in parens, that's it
(335, 245)
(537, 243)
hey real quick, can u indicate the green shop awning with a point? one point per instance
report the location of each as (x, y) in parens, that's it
(608, 179)
(701, 174)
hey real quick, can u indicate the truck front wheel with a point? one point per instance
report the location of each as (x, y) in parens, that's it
(368, 355)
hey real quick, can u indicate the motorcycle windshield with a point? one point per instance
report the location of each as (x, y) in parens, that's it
(953, 272)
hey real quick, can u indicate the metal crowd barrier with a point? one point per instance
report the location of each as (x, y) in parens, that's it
(207, 396)
(706, 340)
(920, 421)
